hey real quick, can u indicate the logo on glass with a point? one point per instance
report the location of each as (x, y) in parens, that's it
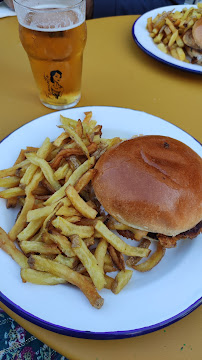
(53, 80)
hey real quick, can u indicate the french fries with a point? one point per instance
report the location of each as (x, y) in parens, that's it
(167, 30)
(38, 263)
(152, 261)
(42, 152)
(29, 247)
(46, 169)
(40, 277)
(71, 262)
(9, 247)
(133, 260)
(62, 242)
(71, 181)
(61, 235)
(121, 280)
(100, 253)
(118, 243)
(68, 229)
(79, 204)
(88, 260)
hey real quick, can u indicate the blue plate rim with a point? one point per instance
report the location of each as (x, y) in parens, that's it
(90, 334)
(96, 335)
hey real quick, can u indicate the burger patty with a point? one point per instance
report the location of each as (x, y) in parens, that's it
(170, 241)
(127, 234)
(167, 241)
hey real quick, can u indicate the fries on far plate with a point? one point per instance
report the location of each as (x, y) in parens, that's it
(168, 31)
(61, 234)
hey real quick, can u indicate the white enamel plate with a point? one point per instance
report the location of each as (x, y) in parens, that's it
(145, 42)
(151, 300)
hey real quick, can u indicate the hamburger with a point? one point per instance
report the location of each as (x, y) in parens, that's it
(193, 42)
(153, 184)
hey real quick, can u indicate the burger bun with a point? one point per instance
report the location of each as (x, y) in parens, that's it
(151, 183)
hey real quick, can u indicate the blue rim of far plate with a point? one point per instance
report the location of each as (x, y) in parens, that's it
(180, 67)
(90, 334)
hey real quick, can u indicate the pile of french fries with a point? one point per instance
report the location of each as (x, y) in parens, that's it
(167, 30)
(61, 234)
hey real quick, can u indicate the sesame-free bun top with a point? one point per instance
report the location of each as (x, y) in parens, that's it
(152, 183)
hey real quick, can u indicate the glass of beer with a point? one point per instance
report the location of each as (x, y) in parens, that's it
(53, 33)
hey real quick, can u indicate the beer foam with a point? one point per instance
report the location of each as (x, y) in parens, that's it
(46, 19)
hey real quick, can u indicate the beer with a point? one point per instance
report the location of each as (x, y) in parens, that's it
(54, 44)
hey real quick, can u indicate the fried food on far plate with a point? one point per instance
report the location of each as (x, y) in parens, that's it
(169, 28)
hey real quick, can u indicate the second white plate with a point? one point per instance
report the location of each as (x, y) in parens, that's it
(145, 42)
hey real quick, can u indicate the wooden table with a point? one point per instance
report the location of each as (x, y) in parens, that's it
(116, 73)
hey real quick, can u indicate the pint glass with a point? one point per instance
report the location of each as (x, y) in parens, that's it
(53, 33)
